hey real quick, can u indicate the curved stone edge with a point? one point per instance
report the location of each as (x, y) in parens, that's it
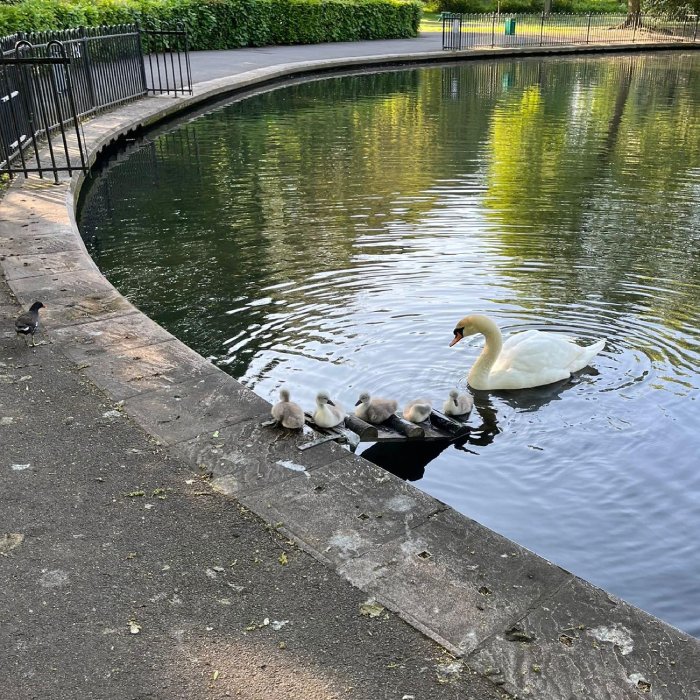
(532, 627)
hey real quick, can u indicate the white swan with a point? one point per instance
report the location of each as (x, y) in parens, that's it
(417, 411)
(458, 404)
(525, 360)
(288, 413)
(374, 410)
(327, 413)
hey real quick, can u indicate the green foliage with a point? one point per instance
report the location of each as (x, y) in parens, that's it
(568, 6)
(677, 7)
(662, 7)
(224, 24)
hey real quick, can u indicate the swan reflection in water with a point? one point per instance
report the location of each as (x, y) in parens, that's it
(409, 458)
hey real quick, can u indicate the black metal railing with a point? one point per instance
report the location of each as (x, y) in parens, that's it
(167, 68)
(106, 64)
(37, 109)
(467, 31)
(51, 79)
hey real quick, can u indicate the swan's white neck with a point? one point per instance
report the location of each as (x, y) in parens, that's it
(479, 374)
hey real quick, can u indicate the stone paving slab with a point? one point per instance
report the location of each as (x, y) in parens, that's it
(456, 579)
(248, 456)
(53, 240)
(45, 263)
(585, 643)
(33, 206)
(127, 372)
(61, 285)
(64, 309)
(185, 407)
(344, 509)
(131, 330)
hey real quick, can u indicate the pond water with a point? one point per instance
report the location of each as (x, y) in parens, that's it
(329, 235)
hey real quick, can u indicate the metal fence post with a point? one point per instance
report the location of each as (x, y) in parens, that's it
(695, 35)
(72, 115)
(19, 125)
(542, 29)
(588, 30)
(88, 67)
(493, 30)
(187, 56)
(30, 106)
(142, 59)
(635, 21)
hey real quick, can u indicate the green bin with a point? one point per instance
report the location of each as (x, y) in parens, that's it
(510, 26)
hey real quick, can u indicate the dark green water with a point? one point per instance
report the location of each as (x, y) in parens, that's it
(330, 234)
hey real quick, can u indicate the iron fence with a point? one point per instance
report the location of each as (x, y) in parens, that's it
(38, 106)
(466, 31)
(48, 79)
(168, 68)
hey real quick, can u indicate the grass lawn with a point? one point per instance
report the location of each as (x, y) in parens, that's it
(431, 22)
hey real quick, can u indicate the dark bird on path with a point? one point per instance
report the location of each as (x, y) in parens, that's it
(28, 322)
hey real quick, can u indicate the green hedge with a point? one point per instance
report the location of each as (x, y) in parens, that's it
(227, 24)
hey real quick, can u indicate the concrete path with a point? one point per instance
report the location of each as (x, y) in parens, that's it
(209, 65)
(151, 531)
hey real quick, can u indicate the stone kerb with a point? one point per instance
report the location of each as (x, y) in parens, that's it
(534, 628)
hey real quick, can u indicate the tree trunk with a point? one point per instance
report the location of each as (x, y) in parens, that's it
(634, 7)
(618, 112)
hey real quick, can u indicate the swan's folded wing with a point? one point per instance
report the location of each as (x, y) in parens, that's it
(538, 353)
(515, 379)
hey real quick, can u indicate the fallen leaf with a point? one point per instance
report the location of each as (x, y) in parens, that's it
(9, 541)
(448, 670)
(134, 627)
(371, 608)
(214, 675)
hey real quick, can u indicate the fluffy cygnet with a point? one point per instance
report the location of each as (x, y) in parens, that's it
(458, 404)
(288, 413)
(327, 414)
(417, 411)
(374, 410)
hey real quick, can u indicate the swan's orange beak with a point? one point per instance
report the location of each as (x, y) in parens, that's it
(456, 339)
